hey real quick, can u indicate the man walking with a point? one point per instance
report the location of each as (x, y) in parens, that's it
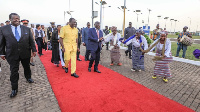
(94, 45)
(16, 43)
(180, 44)
(129, 31)
(50, 30)
(69, 41)
(85, 40)
(79, 42)
(25, 23)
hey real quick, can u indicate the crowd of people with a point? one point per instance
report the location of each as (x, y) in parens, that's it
(17, 43)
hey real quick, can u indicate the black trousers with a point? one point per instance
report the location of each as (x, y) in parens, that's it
(87, 53)
(14, 68)
(78, 53)
(45, 46)
(129, 50)
(40, 45)
(95, 56)
(107, 43)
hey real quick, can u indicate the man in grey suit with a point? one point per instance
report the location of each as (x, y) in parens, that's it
(85, 40)
(129, 31)
(16, 43)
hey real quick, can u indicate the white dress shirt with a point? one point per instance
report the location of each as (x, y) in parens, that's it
(39, 33)
(18, 29)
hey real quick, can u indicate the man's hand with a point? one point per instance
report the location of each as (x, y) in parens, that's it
(78, 49)
(58, 41)
(3, 57)
(83, 44)
(63, 49)
(101, 39)
(34, 54)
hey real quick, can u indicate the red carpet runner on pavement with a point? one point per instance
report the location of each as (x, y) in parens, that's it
(105, 92)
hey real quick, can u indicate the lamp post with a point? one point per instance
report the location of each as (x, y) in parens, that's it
(175, 26)
(190, 23)
(158, 18)
(68, 12)
(171, 25)
(137, 15)
(166, 21)
(124, 7)
(149, 14)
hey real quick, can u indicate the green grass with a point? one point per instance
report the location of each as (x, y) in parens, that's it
(189, 52)
(176, 36)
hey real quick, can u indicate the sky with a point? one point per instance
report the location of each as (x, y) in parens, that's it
(45, 11)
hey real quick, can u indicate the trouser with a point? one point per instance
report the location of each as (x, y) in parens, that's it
(95, 56)
(45, 46)
(107, 43)
(78, 52)
(61, 57)
(14, 68)
(70, 55)
(87, 53)
(31, 60)
(183, 47)
(40, 45)
(129, 50)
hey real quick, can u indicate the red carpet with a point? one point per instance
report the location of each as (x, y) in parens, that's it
(105, 92)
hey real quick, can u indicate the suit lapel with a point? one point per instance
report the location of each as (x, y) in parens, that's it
(22, 32)
(10, 31)
(95, 33)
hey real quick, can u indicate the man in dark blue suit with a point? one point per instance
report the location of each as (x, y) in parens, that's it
(95, 38)
(85, 40)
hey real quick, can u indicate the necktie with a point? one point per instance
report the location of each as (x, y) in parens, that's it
(17, 34)
(98, 33)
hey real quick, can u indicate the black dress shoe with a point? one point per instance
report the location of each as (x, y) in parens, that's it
(89, 69)
(13, 93)
(32, 64)
(79, 59)
(75, 75)
(66, 70)
(126, 53)
(97, 71)
(30, 81)
(57, 65)
(130, 57)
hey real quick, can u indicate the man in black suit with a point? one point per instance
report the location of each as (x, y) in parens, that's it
(95, 38)
(79, 42)
(50, 30)
(16, 43)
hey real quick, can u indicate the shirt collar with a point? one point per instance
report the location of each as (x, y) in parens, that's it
(15, 26)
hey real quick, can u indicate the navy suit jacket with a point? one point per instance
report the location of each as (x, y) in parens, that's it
(93, 42)
(85, 35)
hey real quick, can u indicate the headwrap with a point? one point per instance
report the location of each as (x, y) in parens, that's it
(185, 27)
(157, 25)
